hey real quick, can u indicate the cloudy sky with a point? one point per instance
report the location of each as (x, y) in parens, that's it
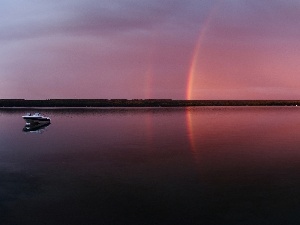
(192, 49)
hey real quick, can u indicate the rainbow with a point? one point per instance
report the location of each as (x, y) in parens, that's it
(196, 52)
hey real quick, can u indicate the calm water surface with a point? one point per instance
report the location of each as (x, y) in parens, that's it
(209, 165)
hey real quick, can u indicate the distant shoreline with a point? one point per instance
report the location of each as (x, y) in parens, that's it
(140, 103)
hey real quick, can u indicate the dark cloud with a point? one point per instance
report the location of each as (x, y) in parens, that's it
(87, 17)
(257, 19)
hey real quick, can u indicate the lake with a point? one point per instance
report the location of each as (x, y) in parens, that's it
(202, 165)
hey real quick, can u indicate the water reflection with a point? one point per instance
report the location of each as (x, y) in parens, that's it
(38, 128)
(248, 159)
(206, 165)
(192, 124)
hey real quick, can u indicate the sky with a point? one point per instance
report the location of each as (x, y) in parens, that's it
(141, 49)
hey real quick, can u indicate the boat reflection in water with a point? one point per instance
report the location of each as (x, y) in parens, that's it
(35, 123)
(36, 127)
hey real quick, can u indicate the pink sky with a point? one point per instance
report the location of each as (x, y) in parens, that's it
(246, 49)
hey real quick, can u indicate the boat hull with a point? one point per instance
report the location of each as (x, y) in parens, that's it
(36, 120)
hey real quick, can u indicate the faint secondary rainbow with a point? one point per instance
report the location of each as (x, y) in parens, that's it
(196, 52)
(149, 70)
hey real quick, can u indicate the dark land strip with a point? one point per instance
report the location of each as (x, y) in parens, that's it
(140, 103)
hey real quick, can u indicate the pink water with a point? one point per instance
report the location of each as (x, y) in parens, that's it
(203, 165)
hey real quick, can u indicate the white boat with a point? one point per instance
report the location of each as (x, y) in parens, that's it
(36, 118)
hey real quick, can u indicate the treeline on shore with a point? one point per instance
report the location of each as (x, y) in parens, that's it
(140, 103)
